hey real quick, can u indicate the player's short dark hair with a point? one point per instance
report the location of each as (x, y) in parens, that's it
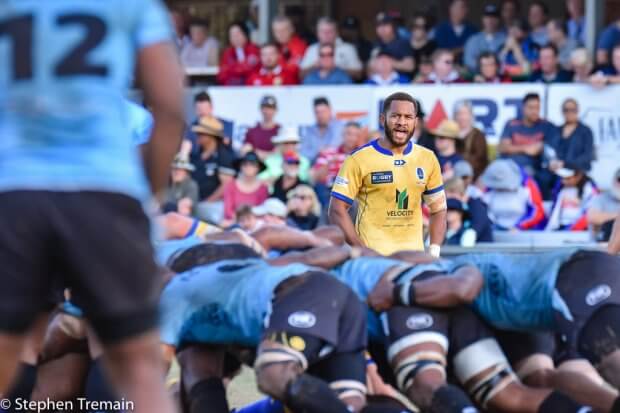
(530, 96)
(202, 97)
(204, 254)
(321, 100)
(399, 96)
(549, 46)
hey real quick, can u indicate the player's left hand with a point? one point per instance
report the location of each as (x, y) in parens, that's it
(381, 297)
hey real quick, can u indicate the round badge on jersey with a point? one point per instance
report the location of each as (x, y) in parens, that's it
(302, 319)
(419, 321)
(598, 294)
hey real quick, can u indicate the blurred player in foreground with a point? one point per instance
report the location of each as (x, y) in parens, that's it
(614, 241)
(68, 164)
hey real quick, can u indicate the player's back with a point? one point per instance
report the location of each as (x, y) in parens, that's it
(65, 67)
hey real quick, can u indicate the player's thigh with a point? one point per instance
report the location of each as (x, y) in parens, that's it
(530, 354)
(599, 342)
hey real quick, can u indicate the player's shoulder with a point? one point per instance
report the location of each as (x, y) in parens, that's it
(363, 150)
(423, 151)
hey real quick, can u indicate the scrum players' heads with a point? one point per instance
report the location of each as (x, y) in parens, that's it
(204, 254)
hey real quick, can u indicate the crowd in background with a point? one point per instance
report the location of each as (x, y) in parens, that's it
(536, 178)
(507, 45)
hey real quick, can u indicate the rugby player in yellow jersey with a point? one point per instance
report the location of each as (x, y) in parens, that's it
(389, 177)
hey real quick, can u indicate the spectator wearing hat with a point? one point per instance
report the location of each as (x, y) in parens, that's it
(326, 132)
(287, 141)
(473, 143)
(246, 189)
(453, 33)
(240, 59)
(351, 32)
(446, 136)
(457, 188)
(464, 171)
(346, 57)
(512, 196)
(490, 39)
(604, 209)
(550, 70)
(384, 72)
(489, 70)
(575, 144)
(290, 178)
(519, 56)
(326, 72)
(444, 71)
(258, 138)
(304, 209)
(562, 42)
(271, 72)
(203, 108)
(202, 50)
(271, 212)
(537, 16)
(572, 199)
(291, 46)
(459, 231)
(182, 194)
(391, 44)
(214, 168)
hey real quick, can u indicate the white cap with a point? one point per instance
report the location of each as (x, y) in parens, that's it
(565, 172)
(272, 206)
(287, 135)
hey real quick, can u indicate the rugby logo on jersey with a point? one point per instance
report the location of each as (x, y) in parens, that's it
(420, 173)
(383, 177)
(399, 162)
(302, 319)
(598, 294)
(419, 321)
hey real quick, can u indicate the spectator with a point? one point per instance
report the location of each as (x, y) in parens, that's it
(425, 68)
(389, 42)
(326, 132)
(581, 65)
(571, 202)
(609, 38)
(290, 45)
(384, 71)
(271, 73)
(330, 159)
(550, 70)
(537, 16)
(326, 72)
(453, 34)
(297, 14)
(287, 141)
(513, 198)
(446, 135)
(421, 136)
(604, 209)
(214, 168)
(351, 32)
(183, 189)
(523, 140)
(180, 28)
(520, 53)
(473, 142)
(575, 146)
(443, 68)
(422, 46)
(489, 69)
(478, 212)
(459, 231)
(290, 177)
(271, 212)
(203, 109)
(490, 39)
(251, 22)
(609, 74)
(564, 44)
(202, 50)
(258, 138)
(575, 25)
(464, 171)
(304, 208)
(240, 59)
(345, 53)
(246, 189)
(510, 11)
(245, 219)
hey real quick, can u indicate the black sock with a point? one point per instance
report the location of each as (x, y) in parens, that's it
(308, 394)
(451, 399)
(558, 402)
(98, 387)
(208, 395)
(616, 406)
(24, 381)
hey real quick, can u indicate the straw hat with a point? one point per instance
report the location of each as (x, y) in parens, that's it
(447, 129)
(209, 126)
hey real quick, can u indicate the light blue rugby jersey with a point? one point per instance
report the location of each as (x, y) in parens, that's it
(65, 67)
(164, 250)
(226, 302)
(140, 123)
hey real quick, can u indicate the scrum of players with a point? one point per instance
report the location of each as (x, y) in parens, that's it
(477, 332)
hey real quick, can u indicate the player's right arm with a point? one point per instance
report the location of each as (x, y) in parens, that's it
(614, 240)
(346, 186)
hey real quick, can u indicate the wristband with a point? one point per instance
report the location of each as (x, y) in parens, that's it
(404, 294)
(434, 250)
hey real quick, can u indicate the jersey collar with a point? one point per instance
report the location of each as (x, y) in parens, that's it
(381, 149)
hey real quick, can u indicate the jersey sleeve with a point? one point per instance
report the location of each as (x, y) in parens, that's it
(434, 195)
(171, 316)
(348, 182)
(152, 25)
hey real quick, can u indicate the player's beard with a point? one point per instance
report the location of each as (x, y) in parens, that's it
(389, 135)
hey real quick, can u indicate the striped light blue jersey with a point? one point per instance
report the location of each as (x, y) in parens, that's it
(65, 67)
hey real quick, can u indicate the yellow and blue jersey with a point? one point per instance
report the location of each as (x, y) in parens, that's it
(389, 189)
(65, 67)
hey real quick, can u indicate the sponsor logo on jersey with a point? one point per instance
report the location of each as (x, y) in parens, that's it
(399, 162)
(598, 294)
(341, 181)
(383, 177)
(419, 321)
(420, 173)
(402, 199)
(302, 319)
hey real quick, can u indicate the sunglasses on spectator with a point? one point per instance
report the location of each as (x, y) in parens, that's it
(292, 162)
(569, 109)
(448, 62)
(326, 55)
(303, 197)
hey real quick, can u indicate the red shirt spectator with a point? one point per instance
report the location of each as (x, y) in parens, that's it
(271, 73)
(259, 137)
(330, 159)
(291, 46)
(246, 189)
(240, 59)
